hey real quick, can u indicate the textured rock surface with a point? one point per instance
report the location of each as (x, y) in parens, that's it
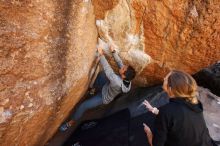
(45, 57)
(210, 78)
(211, 105)
(47, 50)
(179, 34)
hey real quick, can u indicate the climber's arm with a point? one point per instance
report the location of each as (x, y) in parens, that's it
(116, 57)
(110, 74)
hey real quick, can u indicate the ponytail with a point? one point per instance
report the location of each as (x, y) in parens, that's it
(192, 99)
(183, 85)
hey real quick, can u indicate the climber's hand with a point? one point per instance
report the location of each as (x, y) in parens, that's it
(112, 49)
(100, 51)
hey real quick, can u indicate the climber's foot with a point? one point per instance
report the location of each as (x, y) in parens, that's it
(64, 127)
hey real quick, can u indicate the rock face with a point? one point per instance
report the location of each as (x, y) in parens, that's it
(210, 78)
(46, 51)
(211, 105)
(157, 36)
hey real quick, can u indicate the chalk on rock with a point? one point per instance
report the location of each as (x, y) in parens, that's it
(132, 39)
(4, 115)
(194, 12)
(139, 56)
(7, 113)
(102, 44)
(99, 22)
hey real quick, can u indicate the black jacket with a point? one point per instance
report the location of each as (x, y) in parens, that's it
(180, 123)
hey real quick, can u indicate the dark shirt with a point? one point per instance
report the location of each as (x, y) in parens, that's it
(180, 123)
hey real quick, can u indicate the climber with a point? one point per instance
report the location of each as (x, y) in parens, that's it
(181, 121)
(108, 85)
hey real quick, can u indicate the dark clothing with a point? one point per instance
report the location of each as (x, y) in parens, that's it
(180, 123)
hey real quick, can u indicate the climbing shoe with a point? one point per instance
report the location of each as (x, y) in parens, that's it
(92, 91)
(89, 125)
(64, 127)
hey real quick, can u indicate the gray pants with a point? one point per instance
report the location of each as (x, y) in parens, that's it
(94, 101)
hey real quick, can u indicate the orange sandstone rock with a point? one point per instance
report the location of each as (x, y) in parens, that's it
(46, 52)
(180, 34)
(47, 49)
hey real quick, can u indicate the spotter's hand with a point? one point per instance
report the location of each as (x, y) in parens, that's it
(148, 105)
(149, 134)
(152, 109)
(147, 129)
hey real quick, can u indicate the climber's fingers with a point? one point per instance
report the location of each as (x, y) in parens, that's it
(100, 50)
(112, 48)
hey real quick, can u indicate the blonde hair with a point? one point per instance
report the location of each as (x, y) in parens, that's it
(183, 85)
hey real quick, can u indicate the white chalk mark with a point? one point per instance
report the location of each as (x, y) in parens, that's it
(4, 115)
(103, 45)
(99, 23)
(139, 56)
(132, 39)
(194, 12)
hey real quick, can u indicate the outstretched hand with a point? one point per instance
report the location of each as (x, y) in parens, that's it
(152, 109)
(148, 105)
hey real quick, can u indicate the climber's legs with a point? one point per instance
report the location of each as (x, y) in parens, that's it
(89, 103)
(100, 81)
(93, 101)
